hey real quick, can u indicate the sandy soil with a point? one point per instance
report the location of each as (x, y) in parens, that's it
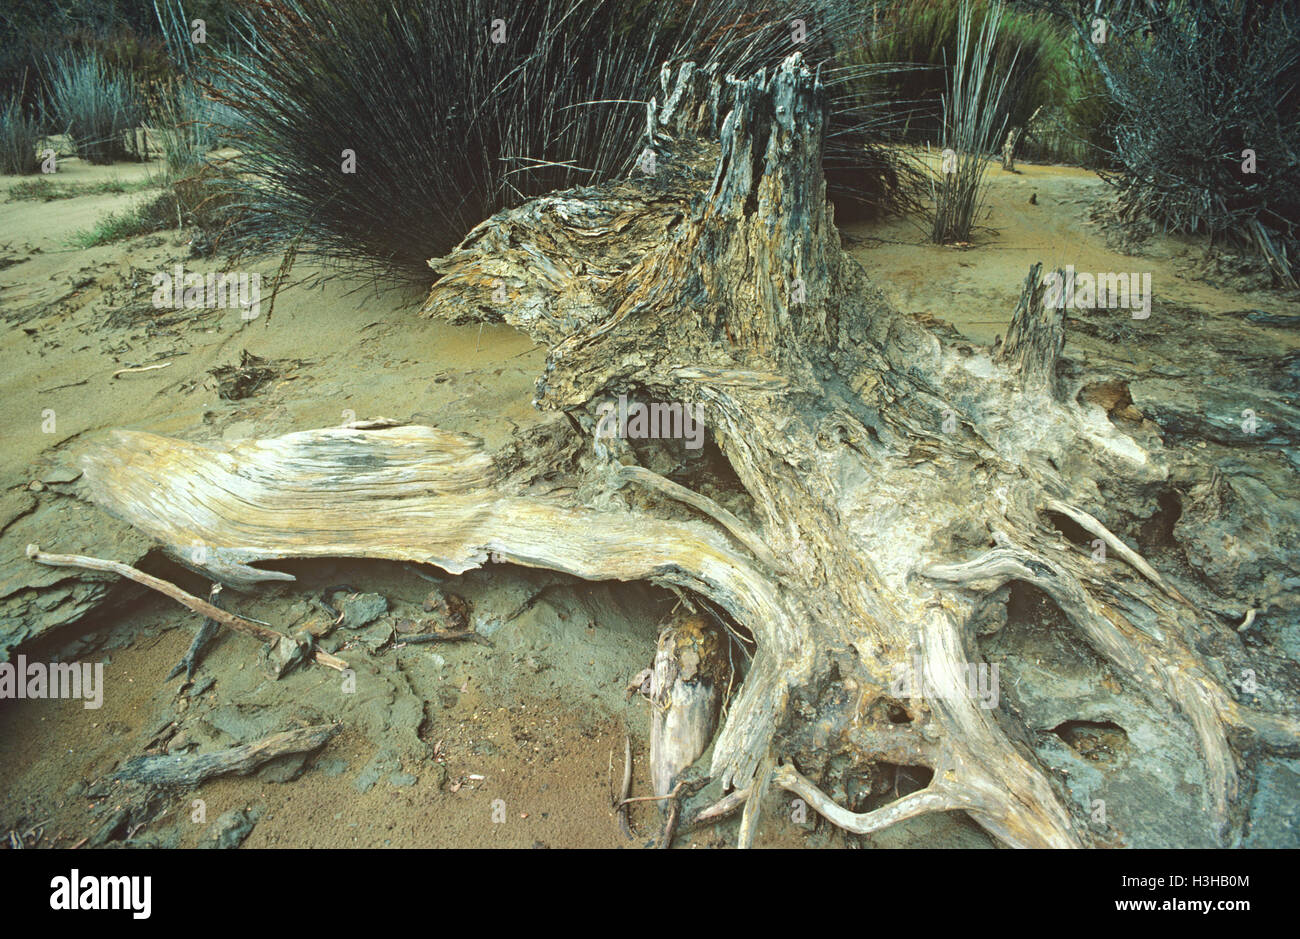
(975, 288)
(435, 734)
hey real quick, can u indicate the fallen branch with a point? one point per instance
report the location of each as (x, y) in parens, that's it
(450, 635)
(214, 613)
(193, 768)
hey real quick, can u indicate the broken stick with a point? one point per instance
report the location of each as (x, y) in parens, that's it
(215, 613)
(193, 768)
(141, 368)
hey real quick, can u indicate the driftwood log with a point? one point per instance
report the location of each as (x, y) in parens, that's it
(190, 769)
(889, 482)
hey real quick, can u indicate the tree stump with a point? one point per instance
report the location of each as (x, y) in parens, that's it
(893, 482)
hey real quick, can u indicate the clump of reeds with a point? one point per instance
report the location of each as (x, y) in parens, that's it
(1039, 52)
(95, 107)
(20, 136)
(184, 128)
(444, 126)
(970, 128)
(195, 191)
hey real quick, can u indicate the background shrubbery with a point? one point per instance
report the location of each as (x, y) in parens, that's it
(97, 107)
(448, 128)
(1194, 85)
(19, 138)
(1039, 51)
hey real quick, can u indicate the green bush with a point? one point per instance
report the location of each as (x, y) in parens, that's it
(1038, 51)
(1196, 85)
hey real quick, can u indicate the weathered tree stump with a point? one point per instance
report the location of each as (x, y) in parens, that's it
(894, 481)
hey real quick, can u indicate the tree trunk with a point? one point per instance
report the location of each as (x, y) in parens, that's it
(892, 480)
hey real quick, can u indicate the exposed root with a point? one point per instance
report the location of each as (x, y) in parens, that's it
(730, 803)
(741, 531)
(1162, 666)
(214, 613)
(931, 799)
(754, 803)
(1116, 546)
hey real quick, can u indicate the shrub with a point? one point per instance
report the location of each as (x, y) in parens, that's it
(96, 108)
(1195, 85)
(184, 127)
(448, 127)
(196, 190)
(1038, 52)
(20, 136)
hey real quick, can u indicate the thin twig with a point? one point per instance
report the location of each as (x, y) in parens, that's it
(215, 613)
(626, 789)
(142, 368)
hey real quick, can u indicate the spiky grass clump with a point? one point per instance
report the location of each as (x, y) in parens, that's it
(185, 129)
(448, 127)
(95, 107)
(20, 136)
(154, 214)
(1037, 51)
(1196, 86)
(970, 127)
(196, 191)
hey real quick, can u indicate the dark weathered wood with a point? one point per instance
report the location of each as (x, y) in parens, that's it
(191, 769)
(450, 635)
(1035, 337)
